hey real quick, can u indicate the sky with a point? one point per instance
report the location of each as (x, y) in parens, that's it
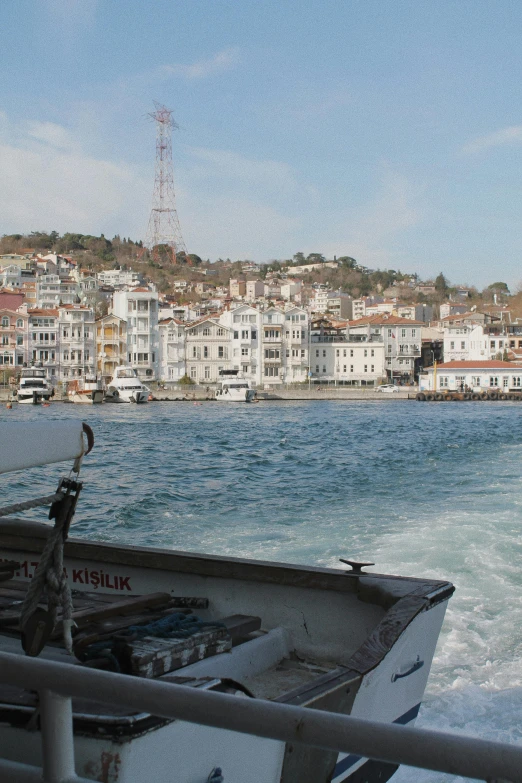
(387, 131)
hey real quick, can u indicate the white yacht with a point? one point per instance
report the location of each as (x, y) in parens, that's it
(125, 386)
(233, 387)
(34, 387)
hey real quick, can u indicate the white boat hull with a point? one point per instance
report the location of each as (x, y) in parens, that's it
(33, 399)
(87, 397)
(124, 395)
(236, 395)
(379, 633)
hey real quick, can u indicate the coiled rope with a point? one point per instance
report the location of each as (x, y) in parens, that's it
(49, 577)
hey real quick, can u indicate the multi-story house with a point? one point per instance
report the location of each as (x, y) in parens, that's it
(244, 325)
(77, 342)
(346, 360)
(296, 345)
(44, 337)
(172, 365)
(139, 307)
(402, 342)
(273, 348)
(118, 278)
(254, 290)
(290, 289)
(414, 312)
(53, 290)
(237, 288)
(207, 348)
(111, 345)
(452, 308)
(14, 338)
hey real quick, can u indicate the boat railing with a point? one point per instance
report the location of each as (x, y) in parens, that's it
(57, 683)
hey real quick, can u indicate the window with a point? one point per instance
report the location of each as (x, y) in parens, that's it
(19, 339)
(372, 352)
(324, 367)
(475, 380)
(244, 351)
(337, 352)
(205, 351)
(365, 368)
(244, 334)
(206, 332)
(373, 368)
(366, 352)
(462, 345)
(351, 353)
(317, 353)
(414, 333)
(272, 353)
(271, 372)
(236, 335)
(351, 367)
(452, 345)
(516, 381)
(192, 372)
(492, 344)
(443, 381)
(221, 352)
(344, 367)
(403, 332)
(324, 354)
(254, 335)
(505, 382)
(207, 373)
(5, 321)
(220, 332)
(20, 323)
(493, 380)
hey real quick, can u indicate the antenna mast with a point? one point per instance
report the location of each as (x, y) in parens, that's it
(164, 230)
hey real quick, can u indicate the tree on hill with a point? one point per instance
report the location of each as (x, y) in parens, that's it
(441, 284)
(499, 288)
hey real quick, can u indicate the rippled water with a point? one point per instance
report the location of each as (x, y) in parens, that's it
(423, 490)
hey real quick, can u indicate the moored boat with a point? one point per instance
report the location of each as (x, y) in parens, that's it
(125, 386)
(346, 641)
(34, 388)
(233, 387)
(86, 391)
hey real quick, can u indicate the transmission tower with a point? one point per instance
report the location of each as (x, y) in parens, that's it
(164, 232)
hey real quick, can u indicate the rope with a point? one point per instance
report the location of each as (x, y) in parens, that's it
(50, 576)
(15, 508)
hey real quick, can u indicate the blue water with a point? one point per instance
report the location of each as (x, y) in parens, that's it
(423, 490)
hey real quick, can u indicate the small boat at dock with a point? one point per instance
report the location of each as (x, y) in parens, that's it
(125, 386)
(85, 391)
(233, 387)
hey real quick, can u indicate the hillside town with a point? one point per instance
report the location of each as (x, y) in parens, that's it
(277, 328)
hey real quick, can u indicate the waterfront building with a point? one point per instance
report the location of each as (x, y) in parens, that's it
(77, 342)
(14, 338)
(172, 366)
(474, 375)
(43, 330)
(139, 308)
(414, 312)
(111, 345)
(401, 338)
(244, 325)
(296, 345)
(207, 350)
(272, 324)
(337, 356)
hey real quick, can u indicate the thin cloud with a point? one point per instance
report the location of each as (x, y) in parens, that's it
(52, 134)
(202, 69)
(232, 166)
(511, 135)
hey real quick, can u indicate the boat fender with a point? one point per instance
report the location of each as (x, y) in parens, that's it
(438, 397)
(493, 396)
(421, 397)
(429, 397)
(475, 396)
(502, 396)
(467, 396)
(484, 396)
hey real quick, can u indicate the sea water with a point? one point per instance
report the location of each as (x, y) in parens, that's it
(428, 490)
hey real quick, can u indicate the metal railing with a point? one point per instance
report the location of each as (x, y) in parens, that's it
(57, 683)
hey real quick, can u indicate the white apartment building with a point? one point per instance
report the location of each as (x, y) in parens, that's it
(273, 348)
(244, 325)
(254, 290)
(77, 342)
(172, 366)
(452, 308)
(347, 362)
(44, 338)
(52, 291)
(476, 375)
(290, 289)
(402, 340)
(139, 308)
(11, 276)
(296, 345)
(207, 350)
(415, 312)
(119, 278)
(475, 342)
